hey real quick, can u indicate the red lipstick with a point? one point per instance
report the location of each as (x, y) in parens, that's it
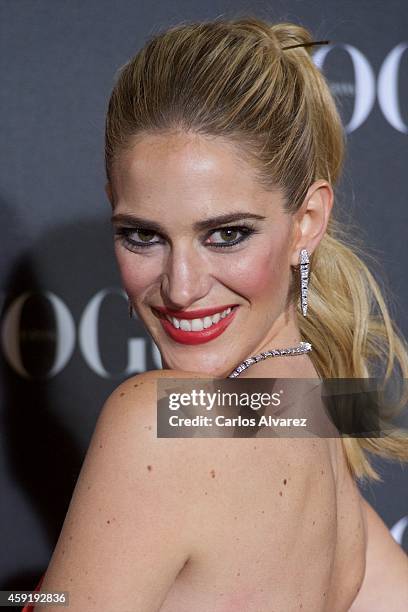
(198, 337)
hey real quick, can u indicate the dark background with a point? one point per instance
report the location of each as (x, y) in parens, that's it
(66, 339)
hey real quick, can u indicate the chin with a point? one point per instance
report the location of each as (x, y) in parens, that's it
(198, 366)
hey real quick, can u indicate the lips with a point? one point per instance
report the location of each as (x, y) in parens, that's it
(197, 337)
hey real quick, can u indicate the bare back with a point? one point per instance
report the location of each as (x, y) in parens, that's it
(241, 564)
(218, 524)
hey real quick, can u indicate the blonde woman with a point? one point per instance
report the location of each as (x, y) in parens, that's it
(223, 147)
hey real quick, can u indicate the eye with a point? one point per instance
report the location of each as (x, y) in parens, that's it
(145, 235)
(229, 235)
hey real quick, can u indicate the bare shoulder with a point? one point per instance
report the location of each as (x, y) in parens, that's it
(385, 585)
(128, 531)
(135, 399)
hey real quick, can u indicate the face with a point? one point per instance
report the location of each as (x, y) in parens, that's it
(194, 230)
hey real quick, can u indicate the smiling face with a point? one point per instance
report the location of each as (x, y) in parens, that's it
(162, 189)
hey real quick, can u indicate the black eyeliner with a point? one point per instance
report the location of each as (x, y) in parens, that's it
(122, 233)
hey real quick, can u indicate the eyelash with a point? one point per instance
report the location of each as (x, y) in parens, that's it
(122, 233)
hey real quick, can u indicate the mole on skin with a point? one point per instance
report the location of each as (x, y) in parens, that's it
(149, 467)
(212, 473)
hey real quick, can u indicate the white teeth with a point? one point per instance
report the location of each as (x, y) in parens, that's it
(198, 324)
(215, 318)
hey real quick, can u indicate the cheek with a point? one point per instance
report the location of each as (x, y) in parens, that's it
(138, 273)
(263, 272)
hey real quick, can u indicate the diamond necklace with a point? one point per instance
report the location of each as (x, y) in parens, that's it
(303, 347)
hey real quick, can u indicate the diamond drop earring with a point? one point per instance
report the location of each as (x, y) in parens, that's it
(304, 279)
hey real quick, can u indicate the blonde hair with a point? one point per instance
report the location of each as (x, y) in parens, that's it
(234, 80)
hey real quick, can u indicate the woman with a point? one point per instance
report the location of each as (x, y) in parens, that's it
(223, 144)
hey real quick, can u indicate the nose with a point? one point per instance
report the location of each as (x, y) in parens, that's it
(186, 278)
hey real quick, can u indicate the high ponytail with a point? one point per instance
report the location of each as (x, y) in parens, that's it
(236, 79)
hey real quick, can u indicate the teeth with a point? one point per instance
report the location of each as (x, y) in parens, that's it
(207, 322)
(198, 324)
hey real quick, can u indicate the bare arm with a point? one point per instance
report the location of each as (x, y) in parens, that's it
(385, 585)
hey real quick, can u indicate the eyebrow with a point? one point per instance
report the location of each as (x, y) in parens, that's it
(197, 226)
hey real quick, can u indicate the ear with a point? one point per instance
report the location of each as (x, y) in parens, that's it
(109, 193)
(312, 218)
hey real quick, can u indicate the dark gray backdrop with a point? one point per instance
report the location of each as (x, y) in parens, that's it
(66, 340)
